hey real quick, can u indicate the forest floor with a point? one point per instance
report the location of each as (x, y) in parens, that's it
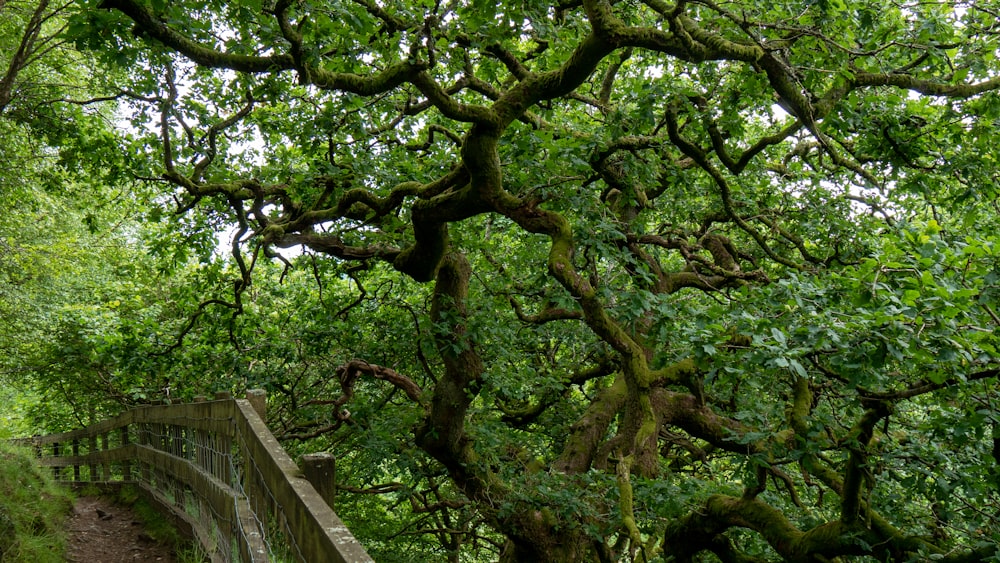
(100, 531)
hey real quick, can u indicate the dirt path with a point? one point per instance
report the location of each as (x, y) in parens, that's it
(103, 532)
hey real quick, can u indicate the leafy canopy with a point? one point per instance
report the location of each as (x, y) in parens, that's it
(599, 281)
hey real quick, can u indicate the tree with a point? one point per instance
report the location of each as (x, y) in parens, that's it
(676, 275)
(67, 263)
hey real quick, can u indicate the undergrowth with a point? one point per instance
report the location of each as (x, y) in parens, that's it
(160, 528)
(33, 509)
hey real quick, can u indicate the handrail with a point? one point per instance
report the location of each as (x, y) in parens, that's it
(219, 470)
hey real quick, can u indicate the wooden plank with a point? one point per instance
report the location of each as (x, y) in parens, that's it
(318, 532)
(218, 494)
(188, 525)
(251, 544)
(98, 457)
(108, 425)
(211, 416)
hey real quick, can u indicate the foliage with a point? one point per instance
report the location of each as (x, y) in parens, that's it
(32, 509)
(69, 269)
(584, 281)
(158, 527)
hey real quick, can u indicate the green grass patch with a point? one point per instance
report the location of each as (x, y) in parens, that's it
(33, 509)
(159, 527)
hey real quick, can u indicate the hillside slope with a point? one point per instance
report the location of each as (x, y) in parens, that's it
(33, 510)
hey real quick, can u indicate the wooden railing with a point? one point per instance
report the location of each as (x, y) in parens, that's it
(221, 474)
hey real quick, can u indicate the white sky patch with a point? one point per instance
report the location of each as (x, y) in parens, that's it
(224, 244)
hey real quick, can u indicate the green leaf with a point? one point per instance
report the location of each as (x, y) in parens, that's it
(779, 336)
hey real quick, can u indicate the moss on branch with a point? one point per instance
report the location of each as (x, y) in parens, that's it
(699, 530)
(430, 220)
(589, 430)
(854, 475)
(928, 87)
(154, 27)
(443, 433)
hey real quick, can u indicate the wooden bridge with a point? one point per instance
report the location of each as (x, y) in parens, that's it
(219, 472)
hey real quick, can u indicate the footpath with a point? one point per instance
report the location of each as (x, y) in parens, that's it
(100, 531)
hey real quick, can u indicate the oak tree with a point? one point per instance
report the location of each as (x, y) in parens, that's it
(634, 280)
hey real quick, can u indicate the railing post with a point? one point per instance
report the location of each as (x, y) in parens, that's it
(258, 400)
(180, 449)
(224, 448)
(105, 465)
(75, 449)
(259, 502)
(145, 439)
(202, 451)
(178, 444)
(56, 471)
(126, 465)
(91, 448)
(320, 469)
(201, 455)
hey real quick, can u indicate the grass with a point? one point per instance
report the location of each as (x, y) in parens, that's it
(160, 528)
(33, 509)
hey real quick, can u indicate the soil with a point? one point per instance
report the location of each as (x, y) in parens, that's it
(101, 531)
